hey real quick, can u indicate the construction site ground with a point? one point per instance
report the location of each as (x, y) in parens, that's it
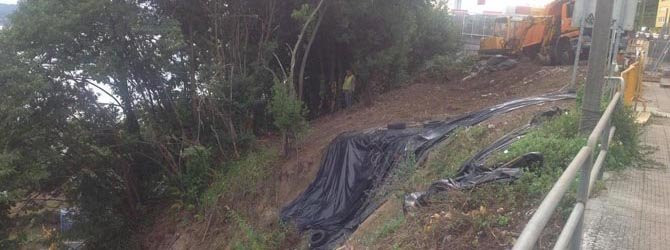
(423, 100)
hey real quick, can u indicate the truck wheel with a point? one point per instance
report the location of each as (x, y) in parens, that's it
(546, 59)
(564, 52)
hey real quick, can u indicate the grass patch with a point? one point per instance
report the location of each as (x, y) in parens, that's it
(247, 236)
(236, 211)
(240, 188)
(388, 228)
(491, 216)
(395, 231)
(464, 143)
(240, 178)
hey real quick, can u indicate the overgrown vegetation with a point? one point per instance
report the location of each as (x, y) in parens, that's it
(240, 178)
(492, 215)
(120, 108)
(289, 115)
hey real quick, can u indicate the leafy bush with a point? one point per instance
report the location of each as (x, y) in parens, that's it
(102, 221)
(195, 176)
(558, 140)
(240, 177)
(5, 224)
(249, 237)
(288, 112)
(625, 149)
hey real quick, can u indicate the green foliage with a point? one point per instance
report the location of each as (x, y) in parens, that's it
(625, 149)
(649, 15)
(195, 177)
(5, 223)
(557, 140)
(386, 43)
(387, 228)
(239, 178)
(250, 238)
(99, 221)
(400, 178)
(462, 145)
(468, 216)
(288, 112)
(503, 221)
(175, 74)
(301, 14)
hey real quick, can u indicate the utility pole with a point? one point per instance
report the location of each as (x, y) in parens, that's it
(597, 63)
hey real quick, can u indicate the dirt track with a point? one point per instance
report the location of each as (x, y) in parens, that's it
(418, 102)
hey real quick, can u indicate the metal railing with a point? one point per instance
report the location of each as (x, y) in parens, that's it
(590, 165)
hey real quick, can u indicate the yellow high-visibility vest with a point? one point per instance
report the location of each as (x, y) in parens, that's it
(348, 83)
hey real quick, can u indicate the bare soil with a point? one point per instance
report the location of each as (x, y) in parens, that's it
(426, 99)
(422, 101)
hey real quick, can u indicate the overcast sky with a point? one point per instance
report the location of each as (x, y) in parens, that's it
(8, 1)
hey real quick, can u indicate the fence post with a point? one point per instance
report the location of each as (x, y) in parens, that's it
(605, 145)
(583, 196)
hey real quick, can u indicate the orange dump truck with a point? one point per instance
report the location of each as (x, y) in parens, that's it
(546, 34)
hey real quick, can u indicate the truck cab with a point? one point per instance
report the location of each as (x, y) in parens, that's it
(547, 35)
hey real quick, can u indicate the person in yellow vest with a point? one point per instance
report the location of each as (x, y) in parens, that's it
(348, 88)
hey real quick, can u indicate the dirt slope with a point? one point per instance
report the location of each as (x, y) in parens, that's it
(418, 102)
(421, 101)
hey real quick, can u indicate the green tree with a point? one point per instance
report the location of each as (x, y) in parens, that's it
(191, 82)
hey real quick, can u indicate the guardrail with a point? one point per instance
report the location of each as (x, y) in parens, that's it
(590, 165)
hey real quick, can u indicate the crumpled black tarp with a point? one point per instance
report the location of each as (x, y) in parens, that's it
(473, 172)
(354, 164)
(493, 64)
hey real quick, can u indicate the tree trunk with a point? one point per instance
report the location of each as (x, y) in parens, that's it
(301, 76)
(132, 125)
(294, 52)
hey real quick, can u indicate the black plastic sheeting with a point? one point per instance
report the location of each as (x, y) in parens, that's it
(473, 172)
(354, 164)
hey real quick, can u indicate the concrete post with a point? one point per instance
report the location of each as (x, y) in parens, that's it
(597, 65)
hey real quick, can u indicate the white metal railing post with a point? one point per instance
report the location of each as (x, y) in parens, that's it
(582, 197)
(538, 221)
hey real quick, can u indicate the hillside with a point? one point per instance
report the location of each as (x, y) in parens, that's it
(254, 215)
(200, 93)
